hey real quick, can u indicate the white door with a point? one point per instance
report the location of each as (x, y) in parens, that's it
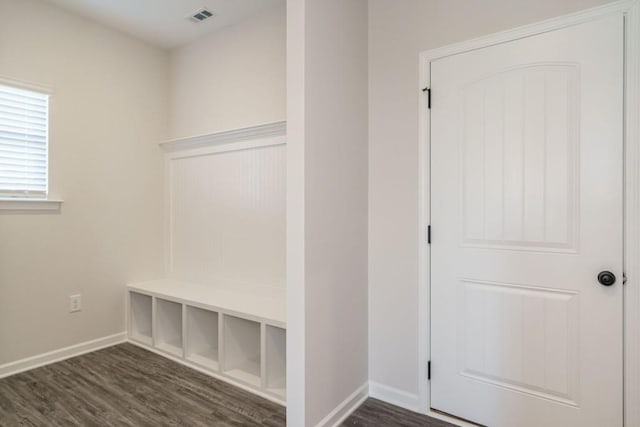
(526, 211)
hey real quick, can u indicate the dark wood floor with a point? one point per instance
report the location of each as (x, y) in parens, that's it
(374, 413)
(125, 385)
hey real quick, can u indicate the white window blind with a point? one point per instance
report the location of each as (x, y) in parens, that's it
(23, 142)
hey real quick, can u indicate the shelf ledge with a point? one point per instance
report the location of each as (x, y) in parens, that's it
(255, 303)
(30, 205)
(226, 137)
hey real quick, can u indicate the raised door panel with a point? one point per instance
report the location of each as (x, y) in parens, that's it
(519, 152)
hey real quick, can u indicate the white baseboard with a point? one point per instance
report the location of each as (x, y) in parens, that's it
(22, 365)
(410, 402)
(346, 408)
(394, 396)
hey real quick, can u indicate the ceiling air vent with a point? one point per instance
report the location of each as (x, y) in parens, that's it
(200, 15)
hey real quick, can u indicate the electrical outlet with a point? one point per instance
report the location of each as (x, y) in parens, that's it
(75, 303)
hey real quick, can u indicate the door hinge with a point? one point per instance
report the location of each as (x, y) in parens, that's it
(429, 370)
(624, 278)
(428, 91)
(428, 234)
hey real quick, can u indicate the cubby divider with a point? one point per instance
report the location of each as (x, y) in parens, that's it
(276, 360)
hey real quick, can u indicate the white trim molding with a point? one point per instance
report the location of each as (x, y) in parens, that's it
(206, 150)
(630, 9)
(346, 408)
(226, 137)
(623, 6)
(410, 402)
(61, 354)
(632, 218)
(23, 84)
(394, 396)
(30, 205)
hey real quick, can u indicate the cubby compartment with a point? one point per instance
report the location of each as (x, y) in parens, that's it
(276, 360)
(242, 349)
(238, 337)
(201, 345)
(169, 326)
(140, 312)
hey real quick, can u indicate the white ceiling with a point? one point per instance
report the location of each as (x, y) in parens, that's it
(163, 22)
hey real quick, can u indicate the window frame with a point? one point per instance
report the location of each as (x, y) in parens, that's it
(32, 202)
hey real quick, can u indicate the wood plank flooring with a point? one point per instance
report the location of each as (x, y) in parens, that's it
(126, 385)
(374, 413)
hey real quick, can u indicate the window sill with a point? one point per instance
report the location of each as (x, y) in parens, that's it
(30, 205)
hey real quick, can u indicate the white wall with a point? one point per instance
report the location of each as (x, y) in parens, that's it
(231, 79)
(397, 34)
(108, 112)
(327, 139)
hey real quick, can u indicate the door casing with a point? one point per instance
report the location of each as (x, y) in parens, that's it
(630, 9)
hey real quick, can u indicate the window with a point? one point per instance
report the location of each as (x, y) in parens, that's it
(23, 143)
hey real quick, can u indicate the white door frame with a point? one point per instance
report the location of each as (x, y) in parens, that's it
(631, 10)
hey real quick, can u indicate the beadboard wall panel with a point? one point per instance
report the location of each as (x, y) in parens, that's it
(226, 215)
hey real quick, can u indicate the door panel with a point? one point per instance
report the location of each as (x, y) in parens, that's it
(526, 210)
(523, 192)
(520, 337)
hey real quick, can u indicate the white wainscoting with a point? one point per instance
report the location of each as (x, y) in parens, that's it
(226, 220)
